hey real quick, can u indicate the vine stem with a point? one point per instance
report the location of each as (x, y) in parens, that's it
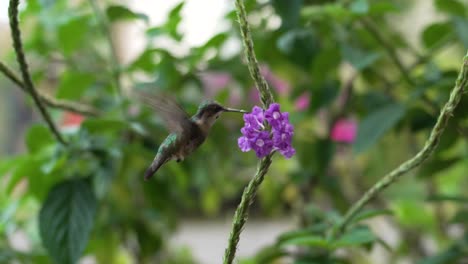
(429, 147)
(27, 80)
(49, 100)
(114, 68)
(266, 97)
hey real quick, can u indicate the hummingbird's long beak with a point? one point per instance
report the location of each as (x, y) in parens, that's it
(226, 109)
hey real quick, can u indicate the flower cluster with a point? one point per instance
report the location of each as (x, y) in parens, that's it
(263, 142)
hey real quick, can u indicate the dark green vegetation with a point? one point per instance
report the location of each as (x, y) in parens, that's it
(85, 192)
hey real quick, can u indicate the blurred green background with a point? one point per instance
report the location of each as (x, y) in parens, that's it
(363, 81)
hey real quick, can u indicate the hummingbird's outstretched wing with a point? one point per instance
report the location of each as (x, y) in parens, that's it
(173, 115)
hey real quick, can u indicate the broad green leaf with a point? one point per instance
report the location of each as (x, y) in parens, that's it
(374, 126)
(74, 84)
(359, 7)
(119, 12)
(38, 137)
(461, 217)
(311, 241)
(288, 11)
(452, 7)
(359, 58)
(435, 33)
(300, 45)
(66, 219)
(449, 256)
(355, 237)
(71, 34)
(461, 29)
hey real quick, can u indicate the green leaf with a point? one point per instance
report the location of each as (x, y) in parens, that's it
(461, 217)
(369, 214)
(38, 137)
(359, 7)
(311, 241)
(74, 84)
(173, 21)
(374, 126)
(448, 198)
(360, 59)
(103, 125)
(119, 12)
(435, 33)
(355, 237)
(461, 29)
(452, 7)
(71, 34)
(289, 12)
(300, 45)
(66, 219)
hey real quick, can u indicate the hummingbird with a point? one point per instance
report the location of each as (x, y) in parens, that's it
(186, 133)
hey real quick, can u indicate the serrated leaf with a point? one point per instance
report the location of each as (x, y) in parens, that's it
(119, 12)
(355, 237)
(38, 137)
(74, 84)
(374, 126)
(66, 219)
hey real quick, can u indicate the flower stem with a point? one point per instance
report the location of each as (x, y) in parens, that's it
(242, 211)
(265, 93)
(27, 80)
(429, 147)
(241, 214)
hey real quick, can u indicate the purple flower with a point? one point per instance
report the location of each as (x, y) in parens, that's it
(256, 137)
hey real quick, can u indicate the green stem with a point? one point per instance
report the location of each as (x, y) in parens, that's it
(374, 31)
(114, 68)
(48, 100)
(430, 145)
(242, 211)
(265, 93)
(20, 57)
(241, 214)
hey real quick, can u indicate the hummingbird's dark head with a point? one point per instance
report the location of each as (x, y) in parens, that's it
(209, 111)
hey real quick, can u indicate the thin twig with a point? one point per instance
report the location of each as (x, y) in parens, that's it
(430, 145)
(49, 100)
(28, 84)
(114, 65)
(242, 211)
(374, 31)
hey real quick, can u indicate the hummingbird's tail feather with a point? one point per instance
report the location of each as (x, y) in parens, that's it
(157, 163)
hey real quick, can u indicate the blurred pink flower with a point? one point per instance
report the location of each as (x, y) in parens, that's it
(213, 82)
(254, 95)
(302, 102)
(344, 130)
(280, 85)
